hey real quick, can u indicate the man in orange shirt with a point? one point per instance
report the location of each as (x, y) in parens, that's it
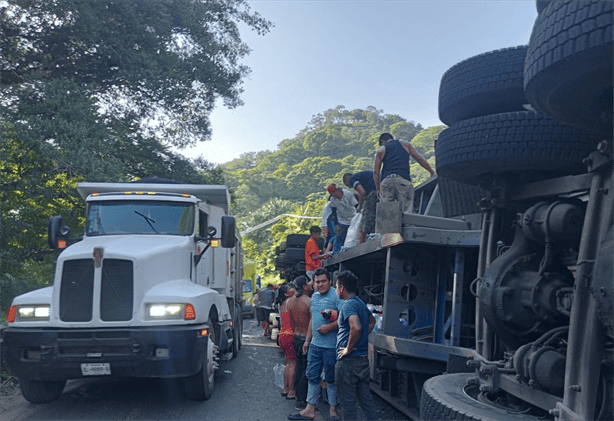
(313, 258)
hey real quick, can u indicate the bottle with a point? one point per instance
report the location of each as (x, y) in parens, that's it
(330, 315)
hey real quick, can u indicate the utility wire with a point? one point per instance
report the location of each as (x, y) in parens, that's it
(270, 221)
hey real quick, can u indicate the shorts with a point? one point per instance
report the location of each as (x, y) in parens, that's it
(369, 205)
(263, 314)
(286, 342)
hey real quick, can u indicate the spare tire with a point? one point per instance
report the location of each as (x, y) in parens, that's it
(479, 148)
(568, 69)
(489, 83)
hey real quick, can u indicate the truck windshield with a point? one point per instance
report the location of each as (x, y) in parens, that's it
(140, 217)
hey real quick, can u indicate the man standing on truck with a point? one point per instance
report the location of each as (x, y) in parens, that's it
(300, 316)
(320, 346)
(352, 368)
(345, 202)
(364, 185)
(393, 182)
(313, 258)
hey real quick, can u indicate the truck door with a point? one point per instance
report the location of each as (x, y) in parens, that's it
(203, 274)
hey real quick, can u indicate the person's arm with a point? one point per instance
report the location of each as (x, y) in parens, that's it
(413, 152)
(308, 338)
(371, 322)
(355, 330)
(328, 327)
(361, 195)
(379, 156)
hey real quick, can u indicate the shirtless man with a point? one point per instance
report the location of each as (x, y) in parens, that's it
(300, 315)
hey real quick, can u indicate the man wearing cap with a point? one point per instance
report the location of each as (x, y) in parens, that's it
(344, 201)
(364, 185)
(394, 182)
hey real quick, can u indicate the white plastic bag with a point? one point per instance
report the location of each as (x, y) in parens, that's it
(353, 235)
(279, 375)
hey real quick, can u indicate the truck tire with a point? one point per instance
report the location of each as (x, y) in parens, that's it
(41, 391)
(199, 386)
(568, 69)
(488, 83)
(295, 255)
(296, 240)
(541, 5)
(280, 261)
(504, 143)
(447, 397)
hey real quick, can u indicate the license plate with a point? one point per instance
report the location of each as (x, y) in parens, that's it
(96, 369)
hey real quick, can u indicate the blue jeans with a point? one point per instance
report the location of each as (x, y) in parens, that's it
(340, 240)
(319, 359)
(352, 378)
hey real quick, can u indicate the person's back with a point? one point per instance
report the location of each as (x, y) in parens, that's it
(299, 311)
(267, 296)
(396, 160)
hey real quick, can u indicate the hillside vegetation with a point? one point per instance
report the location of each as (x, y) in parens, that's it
(292, 180)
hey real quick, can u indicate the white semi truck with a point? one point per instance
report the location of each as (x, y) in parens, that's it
(152, 289)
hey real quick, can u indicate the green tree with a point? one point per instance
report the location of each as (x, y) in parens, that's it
(162, 63)
(98, 91)
(333, 142)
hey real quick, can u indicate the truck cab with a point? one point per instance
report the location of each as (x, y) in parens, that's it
(150, 290)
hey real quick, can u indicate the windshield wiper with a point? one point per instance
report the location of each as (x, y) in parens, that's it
(149, 221)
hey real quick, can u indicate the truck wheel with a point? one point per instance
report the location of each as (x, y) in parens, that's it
(199, 386)
(447, 397)
(505, 143)
(568, 69)
(41, 391)
(488, 83)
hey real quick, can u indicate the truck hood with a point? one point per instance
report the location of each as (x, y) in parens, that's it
(136, 248)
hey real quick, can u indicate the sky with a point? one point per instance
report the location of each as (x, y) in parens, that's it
(390, 54)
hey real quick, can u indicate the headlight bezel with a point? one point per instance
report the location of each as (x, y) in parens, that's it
(169, 311)
(32, 312)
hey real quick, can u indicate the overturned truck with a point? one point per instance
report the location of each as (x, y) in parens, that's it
(521, 327)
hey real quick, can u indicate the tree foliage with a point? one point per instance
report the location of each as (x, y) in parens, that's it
(99, 91)
(162, 63)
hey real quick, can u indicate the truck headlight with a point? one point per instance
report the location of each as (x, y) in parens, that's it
(172, 311)
(34, 312)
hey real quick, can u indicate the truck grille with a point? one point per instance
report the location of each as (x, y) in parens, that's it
(77, 290)
(117, 292)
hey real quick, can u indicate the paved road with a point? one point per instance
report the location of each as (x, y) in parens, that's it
(244, 391)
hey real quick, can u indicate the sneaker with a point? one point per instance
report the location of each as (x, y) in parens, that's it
(300, 405)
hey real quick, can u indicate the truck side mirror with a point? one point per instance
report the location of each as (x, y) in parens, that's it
(228, 231)
(57, 234)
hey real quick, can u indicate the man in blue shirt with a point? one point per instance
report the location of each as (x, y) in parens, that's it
(320, 347)
(352, 369)
(364, 184)
(394, 182)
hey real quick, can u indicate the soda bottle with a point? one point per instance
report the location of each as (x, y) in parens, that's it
(330, 314)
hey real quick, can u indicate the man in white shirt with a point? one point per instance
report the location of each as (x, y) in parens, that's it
(345, 202)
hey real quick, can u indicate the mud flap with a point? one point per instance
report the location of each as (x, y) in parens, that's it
(226, 341)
